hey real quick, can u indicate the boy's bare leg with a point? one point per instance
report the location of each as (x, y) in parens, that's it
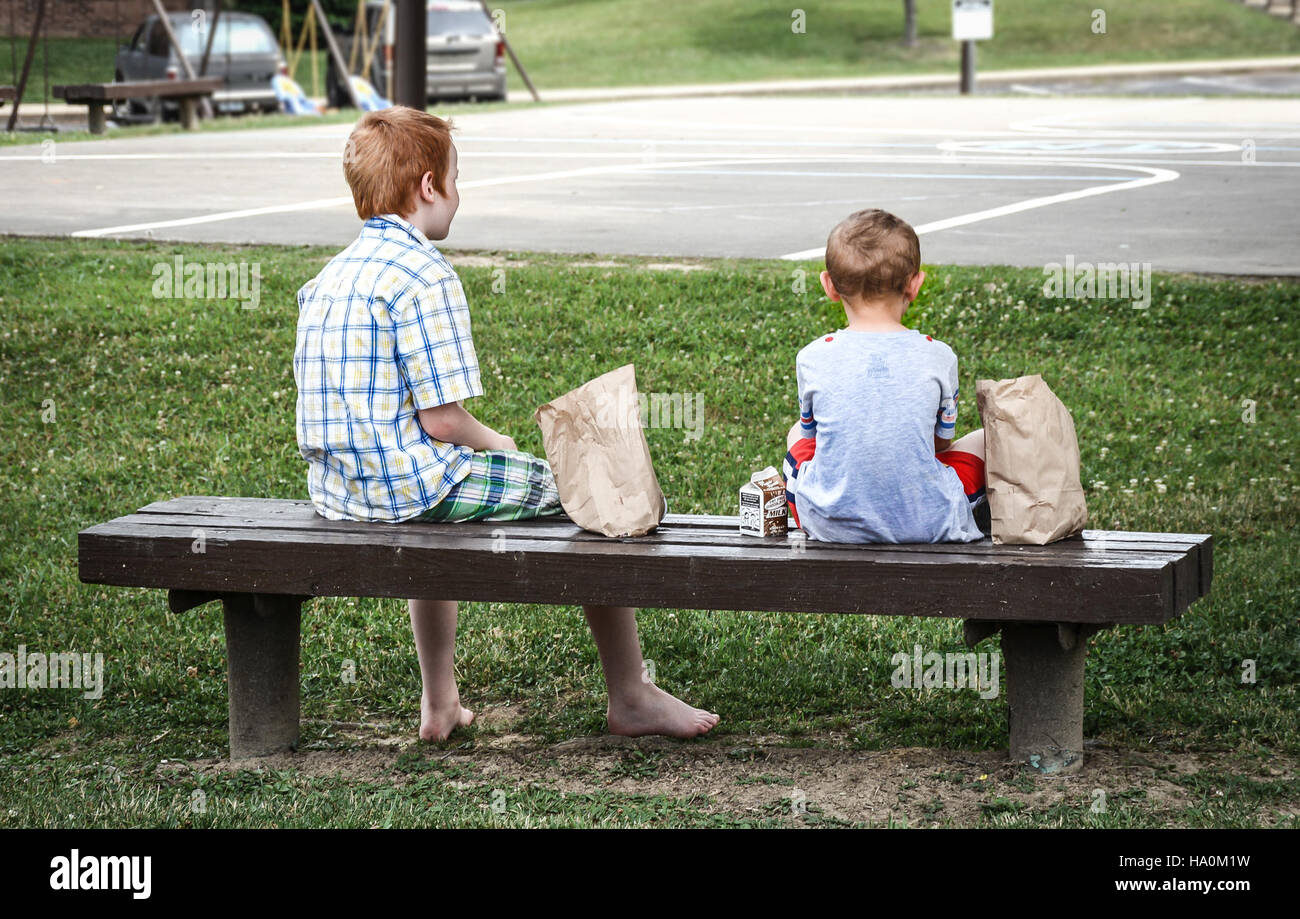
(433, 622)
(970, 443)
(637, 706)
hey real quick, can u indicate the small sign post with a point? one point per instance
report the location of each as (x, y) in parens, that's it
(972, 21)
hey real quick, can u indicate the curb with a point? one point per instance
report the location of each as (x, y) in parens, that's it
(917, 81)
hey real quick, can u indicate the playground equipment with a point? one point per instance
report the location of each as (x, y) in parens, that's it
(16, 91)
(369, 54)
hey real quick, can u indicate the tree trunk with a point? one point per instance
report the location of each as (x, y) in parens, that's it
(909, 23)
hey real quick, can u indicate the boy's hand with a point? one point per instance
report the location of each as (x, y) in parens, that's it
(451, 424)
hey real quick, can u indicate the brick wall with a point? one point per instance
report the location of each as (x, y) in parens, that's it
(84, 18)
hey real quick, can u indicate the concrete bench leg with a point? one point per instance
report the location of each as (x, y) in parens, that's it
(1044, 688)
(1045, 694)
(262, 643)
(189, 113)
(96, 120)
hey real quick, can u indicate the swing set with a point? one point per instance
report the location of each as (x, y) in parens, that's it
(363, 44)
(14, 93)
(192, 93)
(371, 36)
(193, 90)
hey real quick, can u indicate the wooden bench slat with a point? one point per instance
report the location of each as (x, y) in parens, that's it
(456, 534)
(259, 507)
(278, 506)
(107, 92)
(384, 535)
(408, 563)
(570, 535)
(301, 514)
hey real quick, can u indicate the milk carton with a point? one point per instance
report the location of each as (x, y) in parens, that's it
(763, 509)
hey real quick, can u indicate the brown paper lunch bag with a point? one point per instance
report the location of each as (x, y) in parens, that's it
(597, 449)
(1031, 455)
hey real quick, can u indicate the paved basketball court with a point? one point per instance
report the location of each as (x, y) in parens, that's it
(1189, 184)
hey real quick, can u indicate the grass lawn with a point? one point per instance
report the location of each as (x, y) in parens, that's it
(571, 43)
(578, 43)
(155, 398)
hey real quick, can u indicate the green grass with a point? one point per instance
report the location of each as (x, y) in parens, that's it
(573, 43)
(157, 397)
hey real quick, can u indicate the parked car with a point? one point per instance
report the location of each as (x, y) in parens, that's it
(244, 52)
(465, 55)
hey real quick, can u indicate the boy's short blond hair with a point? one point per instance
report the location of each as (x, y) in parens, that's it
(387, 153)
(872, 252)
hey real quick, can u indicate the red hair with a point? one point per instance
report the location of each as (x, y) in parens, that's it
(387, 154)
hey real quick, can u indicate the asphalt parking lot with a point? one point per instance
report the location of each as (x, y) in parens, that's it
(1190, 183)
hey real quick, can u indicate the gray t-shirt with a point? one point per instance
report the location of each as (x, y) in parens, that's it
(875, 401)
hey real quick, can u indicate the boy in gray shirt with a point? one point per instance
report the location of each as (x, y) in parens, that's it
(872, 459)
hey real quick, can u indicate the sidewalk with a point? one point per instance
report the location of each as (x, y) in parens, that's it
(63, 113)
(916, 81)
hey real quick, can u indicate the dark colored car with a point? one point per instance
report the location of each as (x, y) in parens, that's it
(244, 52)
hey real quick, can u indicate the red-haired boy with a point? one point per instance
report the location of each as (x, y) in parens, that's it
(383, 360)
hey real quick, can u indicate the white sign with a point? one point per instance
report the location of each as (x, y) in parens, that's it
(972, 20)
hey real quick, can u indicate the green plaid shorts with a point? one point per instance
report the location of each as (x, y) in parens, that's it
(501, 485)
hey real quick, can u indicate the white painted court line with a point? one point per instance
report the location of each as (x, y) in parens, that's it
(987, 176)
(213, 218)
(233, 155)
(1031, 90)
(1090, 146)
(323, 203)
(651, 165)
(1154, 177)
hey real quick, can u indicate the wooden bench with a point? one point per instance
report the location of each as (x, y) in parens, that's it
(96, 95)
(263, 557)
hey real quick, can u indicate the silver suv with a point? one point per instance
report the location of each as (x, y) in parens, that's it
(465, 57)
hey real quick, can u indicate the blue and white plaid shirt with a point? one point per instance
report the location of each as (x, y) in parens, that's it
(383, 331)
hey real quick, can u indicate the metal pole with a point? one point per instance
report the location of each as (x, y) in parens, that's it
(27, 65)
(412, 64)
(172, 39)
(513, 57)
(335, 55)
(967, 67)
(212, 33)
(205, 106)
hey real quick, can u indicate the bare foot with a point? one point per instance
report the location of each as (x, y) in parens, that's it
(653, 711)
(437, 722)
